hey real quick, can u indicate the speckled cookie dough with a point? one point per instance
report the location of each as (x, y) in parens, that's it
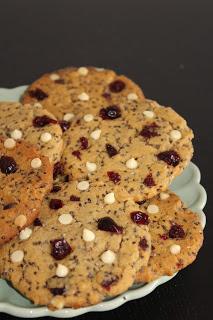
(82, 249)
(137, 148)
(176, 235)
(33, 124)
(65, 92)
(26, 177)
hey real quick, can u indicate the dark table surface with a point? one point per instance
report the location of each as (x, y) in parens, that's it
(165, 46)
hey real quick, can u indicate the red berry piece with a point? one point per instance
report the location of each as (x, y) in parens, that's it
(58, 169)
(143, 244)
(65, 125)
(150, 131)
(55, 188)
(141, 202)
(37, 222)
(149, 181)
(114, 177)
(117, 86)
(176, 231)
(9, 206)
(107, 283)
(84, 143)
(42, 121)
(77, 154)
(106, 95)
(74, 198)
(110, 113)
(55, 204)
(57, 291)
(171, 157)
(38, 94)
(60, 248)
(8, 165)
(108, 224)
(139, 217)
(111, 150)
(164, 236)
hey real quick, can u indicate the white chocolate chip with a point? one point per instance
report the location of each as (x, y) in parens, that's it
(65, 218)
(68, 116)
(83, 185)
(149, 114)
(17, 256)
(9, 143)
(96, 134)
(132, 163)
(62, 271)
(38, 105)
(175, 249)
(36, 163)
(88, 117)
(91, 166)
(83, 71)
(25, 234)
(88, 235)
(54, 76)
(46, 137)
(132, 96)
(175, 135)
(99, 69)
(83, 96)
(152, 208)
(16, 134)
(20, 221)
(164, 195)
(57, 302)
(108, 257)
(109, 198)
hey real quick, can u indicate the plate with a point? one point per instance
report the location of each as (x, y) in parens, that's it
(187, 186)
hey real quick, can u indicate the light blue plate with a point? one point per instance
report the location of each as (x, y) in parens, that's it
(187, 186)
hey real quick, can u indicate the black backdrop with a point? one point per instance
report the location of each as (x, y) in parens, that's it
(166, 46)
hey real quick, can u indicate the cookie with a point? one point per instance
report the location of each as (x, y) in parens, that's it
(65, 92)
(137, 148)
(33, 124)
(83, 248)
(176, 235)
(26, 176)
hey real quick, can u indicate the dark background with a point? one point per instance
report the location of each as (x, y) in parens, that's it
(165, 46)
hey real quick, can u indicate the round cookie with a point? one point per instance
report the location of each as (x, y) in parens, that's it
(137, 148)
(83, 248)
(67, 91)
(26, 177)
(176, 235)
(33, 124)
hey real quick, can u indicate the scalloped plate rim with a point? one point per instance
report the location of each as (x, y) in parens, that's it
(129, 295)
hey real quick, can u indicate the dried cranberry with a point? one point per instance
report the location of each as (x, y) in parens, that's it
(164, 236)
(108, 224)
(9, 206)
(111, 150)
(114, 177)
(150, 131)
(141, 202)
(60, 248)
(107, 283)
(38, 94)
(110, 113)
(58, 169)
(117, 86)
(140, 217)
(57, 291)
(74, 198)
(171, 157)
(66, 178)
(149, 181)
(59, 81)
(37, 222)
(65, 125)
(77, 154)
(55, 188)
(42, 121)
(143, 244)
(180, 264)
(84, 143)
(176, 231)
(55, 204)
(8, 165)
(106, 95)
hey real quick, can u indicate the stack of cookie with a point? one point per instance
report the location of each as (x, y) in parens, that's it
(85, 164)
